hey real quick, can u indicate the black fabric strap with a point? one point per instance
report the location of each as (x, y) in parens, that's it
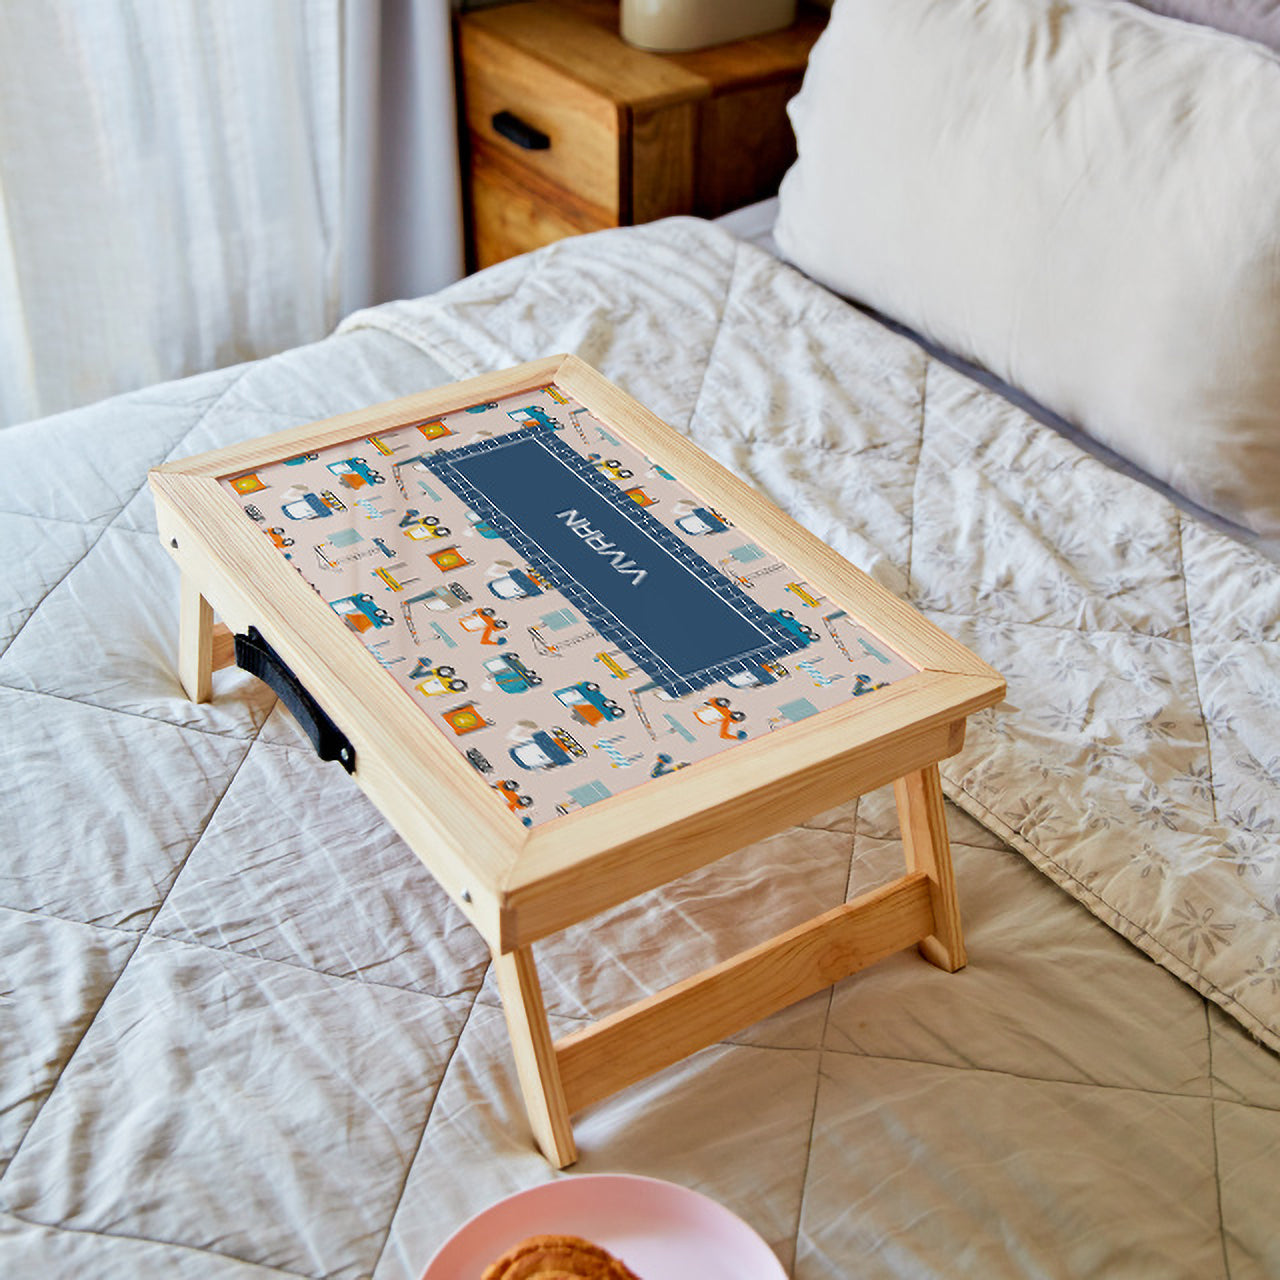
(258, 658)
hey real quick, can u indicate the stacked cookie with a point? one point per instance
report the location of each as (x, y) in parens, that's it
(554, 1257)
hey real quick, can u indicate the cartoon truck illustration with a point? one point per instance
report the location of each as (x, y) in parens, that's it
(418, 526)
(306, 507)
(638, 495)
(511, 675)
(797, 629)
(757, 674)
(546, 750)
(440, 680)
(715, 711)
(533, 414)
(481, 525)
(610, 466)
(702, 520)
(355, 473)
(484, 622)
(509, 790)
(517, 584)
(361, 613)
(587, 704)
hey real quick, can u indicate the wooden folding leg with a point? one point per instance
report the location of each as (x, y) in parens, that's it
(535, 1055)
(928, 849)
(195, 642)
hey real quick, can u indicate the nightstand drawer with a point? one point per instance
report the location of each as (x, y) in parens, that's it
(582, 151)
(512, 214)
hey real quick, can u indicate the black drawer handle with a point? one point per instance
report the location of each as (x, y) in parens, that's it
(520, 132)
(258, 658)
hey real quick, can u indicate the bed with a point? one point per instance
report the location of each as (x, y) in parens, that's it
(244, 1035)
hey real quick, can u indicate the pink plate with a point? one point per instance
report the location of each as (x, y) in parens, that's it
(660, 1230)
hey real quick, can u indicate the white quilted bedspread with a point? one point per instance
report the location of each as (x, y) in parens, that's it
(1137, 759)
(244, 1036)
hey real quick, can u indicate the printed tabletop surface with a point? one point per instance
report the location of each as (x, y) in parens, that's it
(568, 613)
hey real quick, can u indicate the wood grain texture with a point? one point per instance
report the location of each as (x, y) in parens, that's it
(515, 211)
(564, 39)
(584, 157)
(422, 406)
(928, 849)
(662, 174)
(666, 1027)
(224, 646)
(581, 864)
(535, 1055)
(195, 641)
(741, 124)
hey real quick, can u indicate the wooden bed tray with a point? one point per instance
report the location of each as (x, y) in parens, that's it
(518, 881)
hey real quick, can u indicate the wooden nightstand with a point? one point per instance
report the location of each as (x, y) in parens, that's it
(570, 129)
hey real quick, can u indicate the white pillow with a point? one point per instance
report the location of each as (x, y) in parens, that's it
(1083, 197)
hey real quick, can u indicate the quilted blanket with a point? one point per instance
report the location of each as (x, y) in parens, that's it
(243, 1035)
(1137, 759)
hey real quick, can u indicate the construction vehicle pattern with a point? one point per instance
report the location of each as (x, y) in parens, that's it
(418, 526)
(534, 413)
(407, 549)
(511, 675)
(438, 681)
(640, 496)
(355, 473)
(519, 584)
(306, 506)
(516, 800)
(361, 613)
(587, 704)
(757, 674)
(611, 467)
(719, 712)
(547, 750)
(485, 623)
(702, 520)
(481, 525)
(797, 629)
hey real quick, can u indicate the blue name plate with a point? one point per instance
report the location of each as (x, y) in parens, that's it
(680, 620)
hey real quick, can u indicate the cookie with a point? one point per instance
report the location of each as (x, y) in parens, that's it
(554, 1257)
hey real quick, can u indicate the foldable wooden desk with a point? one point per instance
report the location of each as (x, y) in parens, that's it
(570, 658)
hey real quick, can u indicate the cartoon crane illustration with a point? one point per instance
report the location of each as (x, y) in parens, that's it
(640, 713)
(829, 621)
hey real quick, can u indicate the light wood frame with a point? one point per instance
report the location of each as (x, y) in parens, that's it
(517, 884)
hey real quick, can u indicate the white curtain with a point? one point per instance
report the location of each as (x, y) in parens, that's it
(189, 183)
